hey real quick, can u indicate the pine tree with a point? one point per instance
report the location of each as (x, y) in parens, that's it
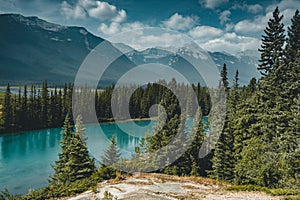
(74, 162)
(272, 44)
(61, 172)
(290, 146)
(223, 159)
(7, 109)
(80, 129)
(79, 163)
(224, 77)
(293, 40)
(44, 104)
(111, 154)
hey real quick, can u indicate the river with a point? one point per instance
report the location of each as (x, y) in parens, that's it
(26, 158)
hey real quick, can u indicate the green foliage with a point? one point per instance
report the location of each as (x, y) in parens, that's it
(111, 154)
(5, 195)
(35, 108)
(74, 162)
(62, 190)
(109, 196)
(273, 192)
(272, 44)
(292, 198)
(293, 40)
(223, 159)
(224, 77)
(259, 144)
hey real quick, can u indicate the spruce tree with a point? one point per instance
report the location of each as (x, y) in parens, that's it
(7, 109)
(79, 163)
(224, 77)
(61, 172)
(223, 161)
(293, 40)
(73, 162)
(111, 154)
(272, 44)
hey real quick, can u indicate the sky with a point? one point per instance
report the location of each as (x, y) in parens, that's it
(216, 25)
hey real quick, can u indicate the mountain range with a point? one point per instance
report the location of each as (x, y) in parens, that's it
(34, 50)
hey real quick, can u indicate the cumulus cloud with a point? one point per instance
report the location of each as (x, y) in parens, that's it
(224, 16)
(111, 29)
(179, 22)
(115, 27)
(284, 4)
(212, 4)
(105, 11)
(255, 26)
(205, 32)
(232, 43)
(252, 8)
(96, 9)
(75, 12)
(259, 23)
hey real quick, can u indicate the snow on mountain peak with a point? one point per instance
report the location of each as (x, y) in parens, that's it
(35, 21)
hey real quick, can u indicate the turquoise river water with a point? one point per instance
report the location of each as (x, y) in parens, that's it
(26, 158)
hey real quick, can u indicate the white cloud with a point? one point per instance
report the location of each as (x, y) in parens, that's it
(224, 16)
(229, 27)
(116, 27)
(205, 32)
(259, 23)
(248, 27)
(112, 29)
(212, 4)
(105, 11)
(96, 9)
(178, 22)
(252, 8)
(284, 4)
(75, 12)
(232, 43)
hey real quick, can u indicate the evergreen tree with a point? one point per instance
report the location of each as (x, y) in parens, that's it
(79, 163)
(7, 109)
(272, 44)
(223, 159)
(80, 129)
(111, 154)
(224, 77)
(293, 40)
(61, 172)
(74, 162)
(44, 104)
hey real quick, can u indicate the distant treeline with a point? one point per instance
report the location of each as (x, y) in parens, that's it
(41, 108)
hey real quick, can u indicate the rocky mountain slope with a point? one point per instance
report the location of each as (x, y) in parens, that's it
(165, 187)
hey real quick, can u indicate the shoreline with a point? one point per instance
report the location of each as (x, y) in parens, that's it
(103, 122)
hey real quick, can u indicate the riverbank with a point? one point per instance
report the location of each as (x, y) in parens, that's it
(102, 121)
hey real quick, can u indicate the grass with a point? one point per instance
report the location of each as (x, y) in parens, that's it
(287, 194)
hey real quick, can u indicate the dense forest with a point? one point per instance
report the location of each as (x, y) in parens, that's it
(259, 143)
(47, 108)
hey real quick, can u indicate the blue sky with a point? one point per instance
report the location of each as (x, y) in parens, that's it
(216, 25)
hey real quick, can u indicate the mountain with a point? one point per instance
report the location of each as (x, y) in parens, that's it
(245, 62)
(33, 50)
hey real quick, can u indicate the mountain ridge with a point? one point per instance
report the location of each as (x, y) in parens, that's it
(35, 50)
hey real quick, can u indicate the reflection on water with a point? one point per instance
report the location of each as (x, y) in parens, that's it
(26, 158)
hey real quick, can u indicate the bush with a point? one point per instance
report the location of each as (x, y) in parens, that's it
(274, 192)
